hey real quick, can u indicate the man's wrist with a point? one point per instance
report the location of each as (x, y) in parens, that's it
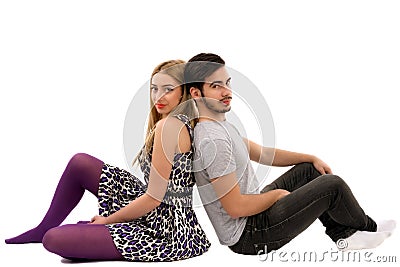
(310, 158)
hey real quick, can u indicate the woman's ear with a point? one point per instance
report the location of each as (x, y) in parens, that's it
(195, 92)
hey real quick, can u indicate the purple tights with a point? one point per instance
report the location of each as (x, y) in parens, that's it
(73, 241)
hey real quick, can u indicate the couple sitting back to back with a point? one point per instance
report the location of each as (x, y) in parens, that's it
(187, 130)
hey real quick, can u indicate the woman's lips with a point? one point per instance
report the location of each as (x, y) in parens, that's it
(160, 105)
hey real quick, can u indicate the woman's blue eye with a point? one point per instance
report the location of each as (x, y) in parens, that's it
(169, 89)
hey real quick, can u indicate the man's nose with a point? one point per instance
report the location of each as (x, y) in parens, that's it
(226, 91)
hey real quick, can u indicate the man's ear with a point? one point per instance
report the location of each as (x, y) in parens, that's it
(195, 92)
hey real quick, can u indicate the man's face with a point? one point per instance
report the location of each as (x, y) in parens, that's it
(217, 93)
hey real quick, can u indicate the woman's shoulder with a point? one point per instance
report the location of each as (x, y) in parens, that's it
(173, 131)
(175, 121)
(169, 123)
(172, 126)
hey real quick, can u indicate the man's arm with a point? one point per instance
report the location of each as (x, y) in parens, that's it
(239, 205)
(282, 158)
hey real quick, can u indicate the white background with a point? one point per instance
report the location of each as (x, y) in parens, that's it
(329, 71)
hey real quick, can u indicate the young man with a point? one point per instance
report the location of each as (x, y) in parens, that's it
(258, 223)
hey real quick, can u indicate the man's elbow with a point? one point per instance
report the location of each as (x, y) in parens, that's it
(235, 207)
(235, 212)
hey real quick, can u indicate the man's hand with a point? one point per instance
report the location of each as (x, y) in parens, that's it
(321, 166)
(282, 192)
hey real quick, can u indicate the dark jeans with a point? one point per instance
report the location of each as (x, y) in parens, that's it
(326, 197)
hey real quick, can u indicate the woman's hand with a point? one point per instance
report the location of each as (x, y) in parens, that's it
(321, 166)
(98, 220)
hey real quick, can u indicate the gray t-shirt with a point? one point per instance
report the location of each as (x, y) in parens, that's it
(220, 150)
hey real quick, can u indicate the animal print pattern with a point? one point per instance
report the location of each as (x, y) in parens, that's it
(168, 233)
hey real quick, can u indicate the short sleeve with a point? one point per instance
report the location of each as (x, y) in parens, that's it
(216, 157)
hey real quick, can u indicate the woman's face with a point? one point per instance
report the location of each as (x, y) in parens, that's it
(166, 93)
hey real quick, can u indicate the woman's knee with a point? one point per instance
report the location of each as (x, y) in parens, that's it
(51, 240)
(82, 161)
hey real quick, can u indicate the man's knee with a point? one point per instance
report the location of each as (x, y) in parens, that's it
(332, 181)
(307, 167)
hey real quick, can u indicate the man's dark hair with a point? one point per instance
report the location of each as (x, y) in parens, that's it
(199, 67)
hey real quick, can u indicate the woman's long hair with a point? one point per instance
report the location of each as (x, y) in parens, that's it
(175, 69)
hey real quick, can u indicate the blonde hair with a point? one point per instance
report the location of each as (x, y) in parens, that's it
(175, 69)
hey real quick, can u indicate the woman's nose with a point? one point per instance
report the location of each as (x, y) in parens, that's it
(158, 95)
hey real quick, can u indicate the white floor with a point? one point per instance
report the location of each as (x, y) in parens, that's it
(311, 246)
(25, 198)
(29, 201)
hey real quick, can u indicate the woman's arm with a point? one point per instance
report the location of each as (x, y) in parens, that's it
(168, 136)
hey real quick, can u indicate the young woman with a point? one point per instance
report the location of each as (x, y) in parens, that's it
(136, 221)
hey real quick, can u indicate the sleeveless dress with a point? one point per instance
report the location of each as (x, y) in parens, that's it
(168, 233)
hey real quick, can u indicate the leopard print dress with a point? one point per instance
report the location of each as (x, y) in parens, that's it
(168, 233)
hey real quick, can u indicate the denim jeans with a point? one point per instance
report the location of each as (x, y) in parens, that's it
(313, 196)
